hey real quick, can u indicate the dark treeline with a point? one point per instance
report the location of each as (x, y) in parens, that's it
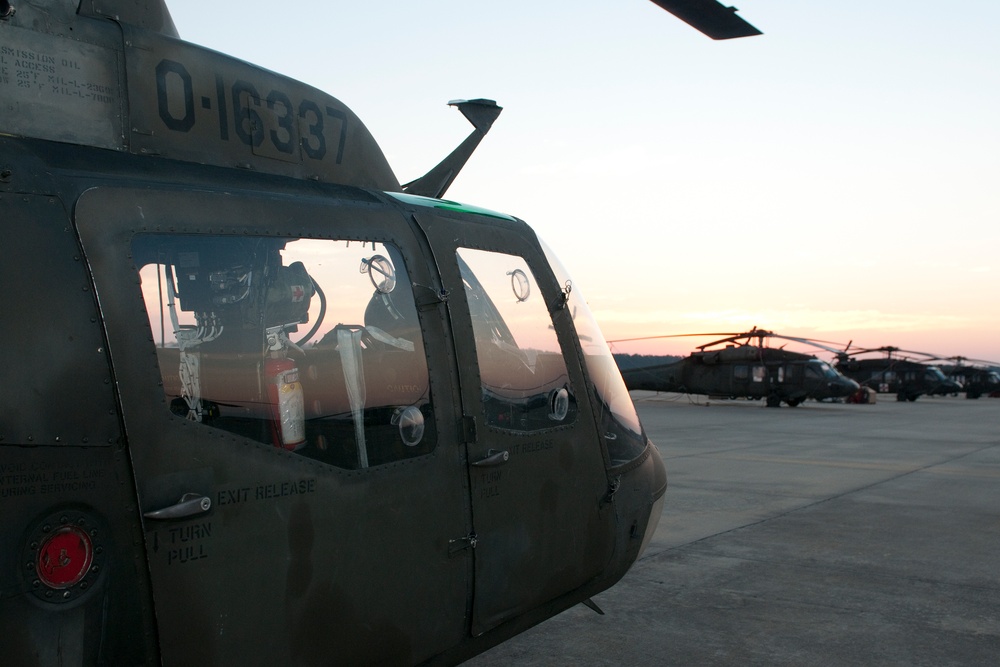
(627, 361)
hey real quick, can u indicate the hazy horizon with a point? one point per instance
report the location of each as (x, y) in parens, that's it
(833, 178)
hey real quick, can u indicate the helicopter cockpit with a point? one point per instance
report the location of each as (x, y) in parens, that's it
(618, 419)
(351, 389)
(934, 374)
(818, 369)
(525, 382)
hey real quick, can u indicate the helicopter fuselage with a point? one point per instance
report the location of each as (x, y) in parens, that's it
(909, 380)
(746, 371)
(261, 406)
(975, 380)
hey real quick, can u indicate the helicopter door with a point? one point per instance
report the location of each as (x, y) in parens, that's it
(283, 421)
(740, 379)
(536, 465)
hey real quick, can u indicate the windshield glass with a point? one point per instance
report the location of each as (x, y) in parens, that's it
(617, 416)
(825, 369)
(934, 373)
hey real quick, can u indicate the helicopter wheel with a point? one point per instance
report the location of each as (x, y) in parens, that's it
(793, 402)
(773, 401)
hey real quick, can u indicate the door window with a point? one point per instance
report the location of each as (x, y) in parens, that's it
(525, 382)
(310, 345)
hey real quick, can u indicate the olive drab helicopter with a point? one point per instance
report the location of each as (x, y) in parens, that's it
(977, 376)
(744, 369)
(893, 372)
(264, 404)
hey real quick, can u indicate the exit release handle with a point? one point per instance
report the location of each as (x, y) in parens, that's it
(190, 504)
(493, 458)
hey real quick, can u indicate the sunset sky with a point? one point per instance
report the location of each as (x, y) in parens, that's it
(836, 177)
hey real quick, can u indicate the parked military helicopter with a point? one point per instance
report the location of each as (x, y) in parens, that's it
(904, 376)
(264, 404)
(977, 378)
(743, 369)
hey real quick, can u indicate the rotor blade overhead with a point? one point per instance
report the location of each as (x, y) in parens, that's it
(760, 334)
(821, 344)
(628, 340)
(710, 17)
(923, 354)
(889, 350)
(960, 361)
(730, 339)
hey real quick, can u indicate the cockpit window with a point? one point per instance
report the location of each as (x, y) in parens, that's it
(309, 345)
(617, 417)
(934, 374)
(817, 369)
(525, 383)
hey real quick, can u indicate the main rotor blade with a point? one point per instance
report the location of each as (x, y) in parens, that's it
(627, 340)
(710, 17)
(958, 361)
(889, 350)
(821, 344)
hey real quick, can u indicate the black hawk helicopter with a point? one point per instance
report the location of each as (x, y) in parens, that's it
(264, 404)
(977, 376)
(892, 371)
(744, 369)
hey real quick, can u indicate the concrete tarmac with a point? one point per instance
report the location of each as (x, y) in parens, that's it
(827, 534)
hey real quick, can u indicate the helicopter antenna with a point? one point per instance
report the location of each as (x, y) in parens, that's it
(481, 113)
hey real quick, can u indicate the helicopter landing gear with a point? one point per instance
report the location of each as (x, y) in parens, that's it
(773, 400)
(793, 402)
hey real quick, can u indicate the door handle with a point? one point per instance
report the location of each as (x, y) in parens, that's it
(190, 504)
(493, 458)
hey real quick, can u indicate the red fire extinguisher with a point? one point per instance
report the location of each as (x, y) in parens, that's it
(288, 424)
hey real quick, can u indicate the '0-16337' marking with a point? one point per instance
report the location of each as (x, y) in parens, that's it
(291, 127)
